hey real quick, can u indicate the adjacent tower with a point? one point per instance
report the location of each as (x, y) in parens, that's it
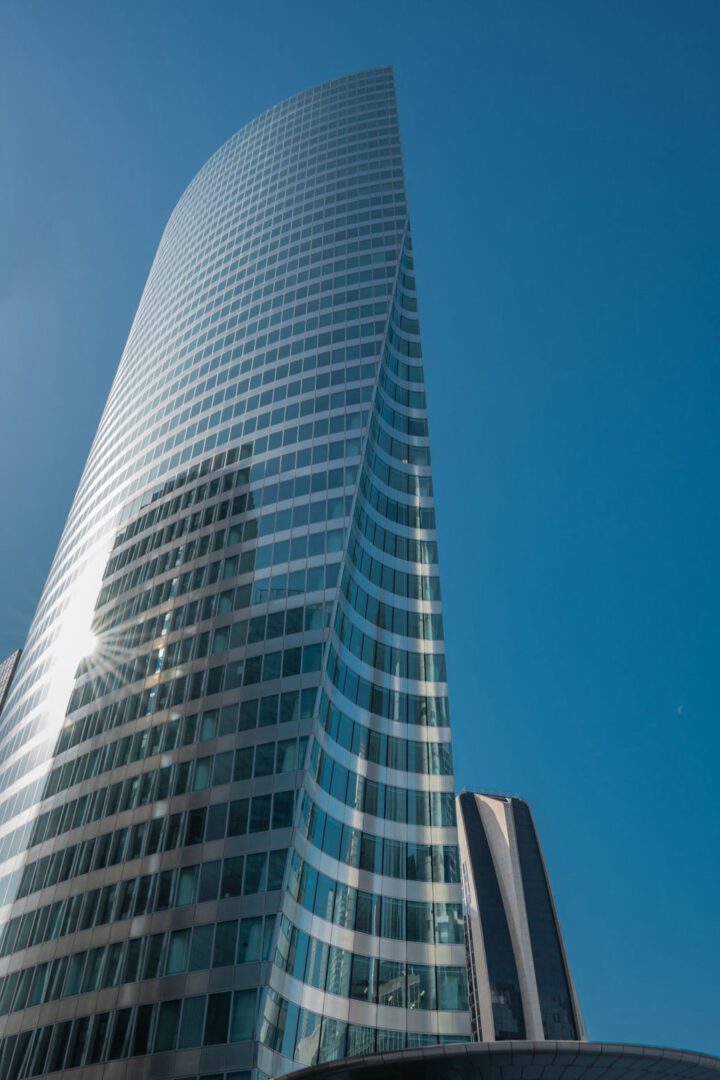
(519, 979)
(227, 823)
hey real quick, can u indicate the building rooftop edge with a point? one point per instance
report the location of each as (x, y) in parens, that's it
(558, 1049)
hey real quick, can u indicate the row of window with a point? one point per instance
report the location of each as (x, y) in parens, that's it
(255, 712)
(137, 479)
(385, 576)
(299, 487)
(399, 547)
(309, 1038)
(208, 607)
(412, 516)
(162, 507)
(404, 482)
(391, 704)
(376, 854)
(408, 372)
(406, 755)
(172, 953)
(262, 812)
(402, 663)
(373, 914)
(196, 646)
(172, 692)
(407, 425)
(198, 774)
(395, 391)
(281, 416)
(407, 453)
(243, 531)
(207, 1020)
(368, 913)
(219, 879)
(410, 624)
(367, 978)
(284, 756)
(407, 805)
(260, 590)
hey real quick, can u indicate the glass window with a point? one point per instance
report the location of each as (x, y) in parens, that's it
(338, 971)
(232, 877)
(92, 970)
(362, 980)
(264, 759)
(200, 947)
(242, 1022)
(193, 1018)
(393, 918)
(249, 940)
(143, 1024)
(225, 943)
(391, 983)
(419, 921)
(216, 1022)
(421, 986)
(308, 1037)
(360, 1040)
(97, 1038)
(186, 886)
(167, 1026)
(72, 979)
(111, 976)
(209, 881)
(178, 951)
(237, 825)
(120, 1037)
(255, 872)
(452, 988)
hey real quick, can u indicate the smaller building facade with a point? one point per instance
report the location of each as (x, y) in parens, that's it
(520, 986)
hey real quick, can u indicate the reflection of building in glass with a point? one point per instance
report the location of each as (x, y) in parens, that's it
(520, 985)
(227, 821)
(8, 667)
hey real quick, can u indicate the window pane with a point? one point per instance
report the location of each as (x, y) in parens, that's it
(250, 940)
(168, 1020)
(225, 937)
(218, 1014)
(178, 951)
(232, 876)
(193, 1016)
(243, 1015)
(200, 947)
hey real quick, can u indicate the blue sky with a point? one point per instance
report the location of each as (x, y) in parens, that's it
(564, 173)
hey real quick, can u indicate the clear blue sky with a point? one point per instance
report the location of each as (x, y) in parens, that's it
(564, 171)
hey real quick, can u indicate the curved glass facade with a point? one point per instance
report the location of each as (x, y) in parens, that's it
(227, 828)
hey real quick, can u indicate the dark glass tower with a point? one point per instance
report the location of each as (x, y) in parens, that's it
(519, 979)
(227, 824)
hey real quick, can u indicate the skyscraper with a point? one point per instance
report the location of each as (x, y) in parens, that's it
(227, 823)
(519, 978)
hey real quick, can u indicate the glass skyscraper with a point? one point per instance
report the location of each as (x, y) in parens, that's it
(227, 824)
